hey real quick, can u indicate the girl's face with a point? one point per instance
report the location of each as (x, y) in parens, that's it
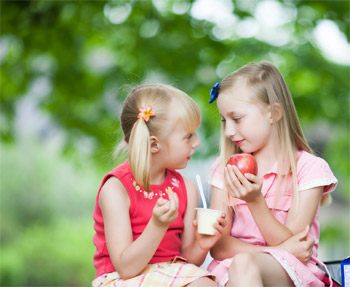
(179, 147)
(178, 144)
(247, 122)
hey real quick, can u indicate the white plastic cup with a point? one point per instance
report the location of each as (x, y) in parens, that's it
(206, 217)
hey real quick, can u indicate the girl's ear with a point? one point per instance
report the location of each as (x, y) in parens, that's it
(276, 113)
(154, 144)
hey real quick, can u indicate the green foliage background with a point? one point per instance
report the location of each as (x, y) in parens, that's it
(65, 70)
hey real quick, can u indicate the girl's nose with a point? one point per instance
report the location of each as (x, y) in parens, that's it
(230, 129)
(196, 141)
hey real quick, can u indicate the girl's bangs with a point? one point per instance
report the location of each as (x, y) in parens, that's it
(190, 117)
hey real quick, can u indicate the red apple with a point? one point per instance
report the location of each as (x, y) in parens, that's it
(245, 162)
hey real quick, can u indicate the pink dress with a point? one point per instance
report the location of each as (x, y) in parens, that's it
(312, 172)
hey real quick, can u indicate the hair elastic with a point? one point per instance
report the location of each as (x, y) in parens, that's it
(214, 92)
(146, 113)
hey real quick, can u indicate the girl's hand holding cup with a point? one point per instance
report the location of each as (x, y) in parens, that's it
(207, 241)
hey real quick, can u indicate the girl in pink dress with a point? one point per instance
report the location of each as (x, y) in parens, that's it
(145, 210)
(283, 199)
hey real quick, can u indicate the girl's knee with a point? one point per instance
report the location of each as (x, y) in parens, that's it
(244, 263)
(244, 271)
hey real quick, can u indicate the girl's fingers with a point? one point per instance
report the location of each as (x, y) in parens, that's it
(161, 201)
(229, 183)
(249, 180)
(166, 207)
(238, 174)
(246, 181)
(303, 234)
(251, 177)
(218, 227)
(172, 201)
(162, 205)
(195, 224)
(221, 220)
(230, 178)
(236, 177)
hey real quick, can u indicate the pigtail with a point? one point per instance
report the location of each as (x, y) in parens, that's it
(140, 153)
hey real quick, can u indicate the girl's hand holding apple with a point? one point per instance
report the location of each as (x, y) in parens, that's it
(245, 162)
(241, 178)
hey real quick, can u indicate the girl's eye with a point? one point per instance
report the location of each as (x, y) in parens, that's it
(236, 119)
(189, 136)
(223, 120)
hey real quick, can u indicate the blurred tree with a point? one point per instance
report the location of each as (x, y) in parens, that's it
(83, 53)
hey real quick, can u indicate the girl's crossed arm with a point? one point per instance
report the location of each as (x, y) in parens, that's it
(300, 245)
(248, 187)
(130, 257)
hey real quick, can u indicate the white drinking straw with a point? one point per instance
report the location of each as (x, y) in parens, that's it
(199, 182)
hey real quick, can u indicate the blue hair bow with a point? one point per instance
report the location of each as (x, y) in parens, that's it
(214, 92)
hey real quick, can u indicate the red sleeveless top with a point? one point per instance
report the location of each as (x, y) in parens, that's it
(141, 207)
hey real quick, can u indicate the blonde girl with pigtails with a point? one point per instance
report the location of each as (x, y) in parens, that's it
(145, 210)
(267, 211)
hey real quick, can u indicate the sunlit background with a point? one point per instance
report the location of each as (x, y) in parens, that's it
(66, 67)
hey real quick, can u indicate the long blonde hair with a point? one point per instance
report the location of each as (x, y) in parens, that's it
(270, 88)
(137, 132)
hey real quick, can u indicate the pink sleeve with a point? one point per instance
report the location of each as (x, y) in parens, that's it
(314, 171)
(215, 177)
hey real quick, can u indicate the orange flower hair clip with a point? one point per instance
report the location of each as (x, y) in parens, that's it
(146, 113)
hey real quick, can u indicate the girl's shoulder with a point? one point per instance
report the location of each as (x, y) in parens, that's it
(314, 171)
(122, 172)
(121, 169)
(307, 161)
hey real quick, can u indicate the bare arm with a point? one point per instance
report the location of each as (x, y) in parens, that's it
(195, 247)
(227, 246)
(304, 214)
(130, 257)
